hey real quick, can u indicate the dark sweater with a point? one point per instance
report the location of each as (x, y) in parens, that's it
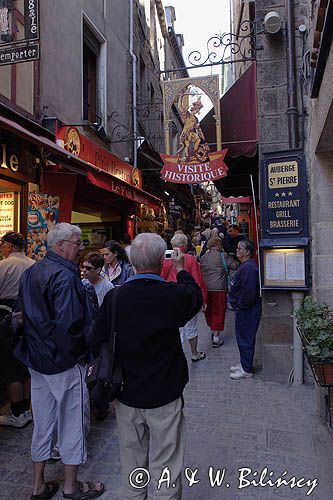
(149, 314)
(244, 292)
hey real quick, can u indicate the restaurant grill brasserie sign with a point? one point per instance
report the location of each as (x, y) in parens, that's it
(284, 196)
(13, 50)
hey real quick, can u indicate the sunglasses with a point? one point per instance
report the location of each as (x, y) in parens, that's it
(88, 268)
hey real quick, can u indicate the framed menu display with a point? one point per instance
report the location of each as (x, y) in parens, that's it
(284, 267)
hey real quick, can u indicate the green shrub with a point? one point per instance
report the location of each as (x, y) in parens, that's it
(315, 324)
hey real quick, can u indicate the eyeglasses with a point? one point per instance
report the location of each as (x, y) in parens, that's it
(77, 243)
(88, 268)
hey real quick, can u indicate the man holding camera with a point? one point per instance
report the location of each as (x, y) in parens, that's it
(149, 409)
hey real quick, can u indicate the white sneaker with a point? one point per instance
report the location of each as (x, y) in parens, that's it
(240, 374)
(19, 422)
(235, 368)
(217, 343)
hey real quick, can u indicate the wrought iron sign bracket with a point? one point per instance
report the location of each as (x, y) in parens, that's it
(225, 48)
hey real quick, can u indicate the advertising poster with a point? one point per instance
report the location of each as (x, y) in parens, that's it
(43, 214)
(7, 212)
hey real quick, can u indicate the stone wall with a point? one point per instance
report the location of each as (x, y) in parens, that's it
(321, 199)
(61, 63)
(277, 320)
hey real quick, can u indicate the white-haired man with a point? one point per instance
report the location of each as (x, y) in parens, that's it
(56, 315)
(149, 312)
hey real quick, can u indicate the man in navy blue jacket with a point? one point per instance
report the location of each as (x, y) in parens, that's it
(245, 298)
(149, 312)
(56, 319)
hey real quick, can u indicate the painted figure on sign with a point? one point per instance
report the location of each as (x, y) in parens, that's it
(192, 140)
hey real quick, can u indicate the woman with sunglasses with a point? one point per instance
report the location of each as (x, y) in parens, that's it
(91, 271)
(117, 268)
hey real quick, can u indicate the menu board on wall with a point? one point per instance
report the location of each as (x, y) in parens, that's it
(43, 214)
(7, 212)
(284, 267)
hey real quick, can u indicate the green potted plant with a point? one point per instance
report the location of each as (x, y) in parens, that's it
(315, 326)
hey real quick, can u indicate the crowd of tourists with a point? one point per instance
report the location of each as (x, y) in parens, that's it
(56, 314)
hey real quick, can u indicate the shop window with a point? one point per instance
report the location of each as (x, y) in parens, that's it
(94, 81)
(91, 50)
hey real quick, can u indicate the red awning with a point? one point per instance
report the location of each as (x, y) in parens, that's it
(238, 116)
(112, 184)
(74, 163)
(236, 199)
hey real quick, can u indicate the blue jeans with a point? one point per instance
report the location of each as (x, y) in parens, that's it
(246, 326)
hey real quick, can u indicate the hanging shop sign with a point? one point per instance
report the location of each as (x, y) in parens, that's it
(19, 53)
(13, 51)
(86, 149)
(31, 19)
(182, 172)
(193, 162)
(7, 212)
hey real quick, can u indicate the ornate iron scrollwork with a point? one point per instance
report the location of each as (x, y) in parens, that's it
(120, 132)
(221, 47)
(123, 133)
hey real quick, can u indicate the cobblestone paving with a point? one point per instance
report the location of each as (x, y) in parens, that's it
(231, 425)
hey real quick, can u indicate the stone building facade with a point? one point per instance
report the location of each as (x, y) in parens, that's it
(91, 51)
(276, 339)
(99, 72)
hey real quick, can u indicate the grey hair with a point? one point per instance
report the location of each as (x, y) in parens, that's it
(248, 246)
(147, 250)
(179, 240)
(62, 231)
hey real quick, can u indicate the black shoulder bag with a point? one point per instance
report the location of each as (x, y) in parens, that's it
(104, 374)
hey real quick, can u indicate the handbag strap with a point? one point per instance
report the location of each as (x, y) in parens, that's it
(224, 262)
(113, 320)
(226, 268)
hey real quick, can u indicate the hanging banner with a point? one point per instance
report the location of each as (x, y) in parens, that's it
(43, 214)
(193, 161)
(180, 172)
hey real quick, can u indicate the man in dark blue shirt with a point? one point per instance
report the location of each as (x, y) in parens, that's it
(56, 317)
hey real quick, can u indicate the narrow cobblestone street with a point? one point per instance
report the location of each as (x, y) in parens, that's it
(230, 425)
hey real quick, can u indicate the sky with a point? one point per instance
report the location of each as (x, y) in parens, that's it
(198, 21)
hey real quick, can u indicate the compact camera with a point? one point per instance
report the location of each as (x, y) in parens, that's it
(168, 254)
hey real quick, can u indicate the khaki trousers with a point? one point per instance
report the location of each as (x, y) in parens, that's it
(152, 440)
